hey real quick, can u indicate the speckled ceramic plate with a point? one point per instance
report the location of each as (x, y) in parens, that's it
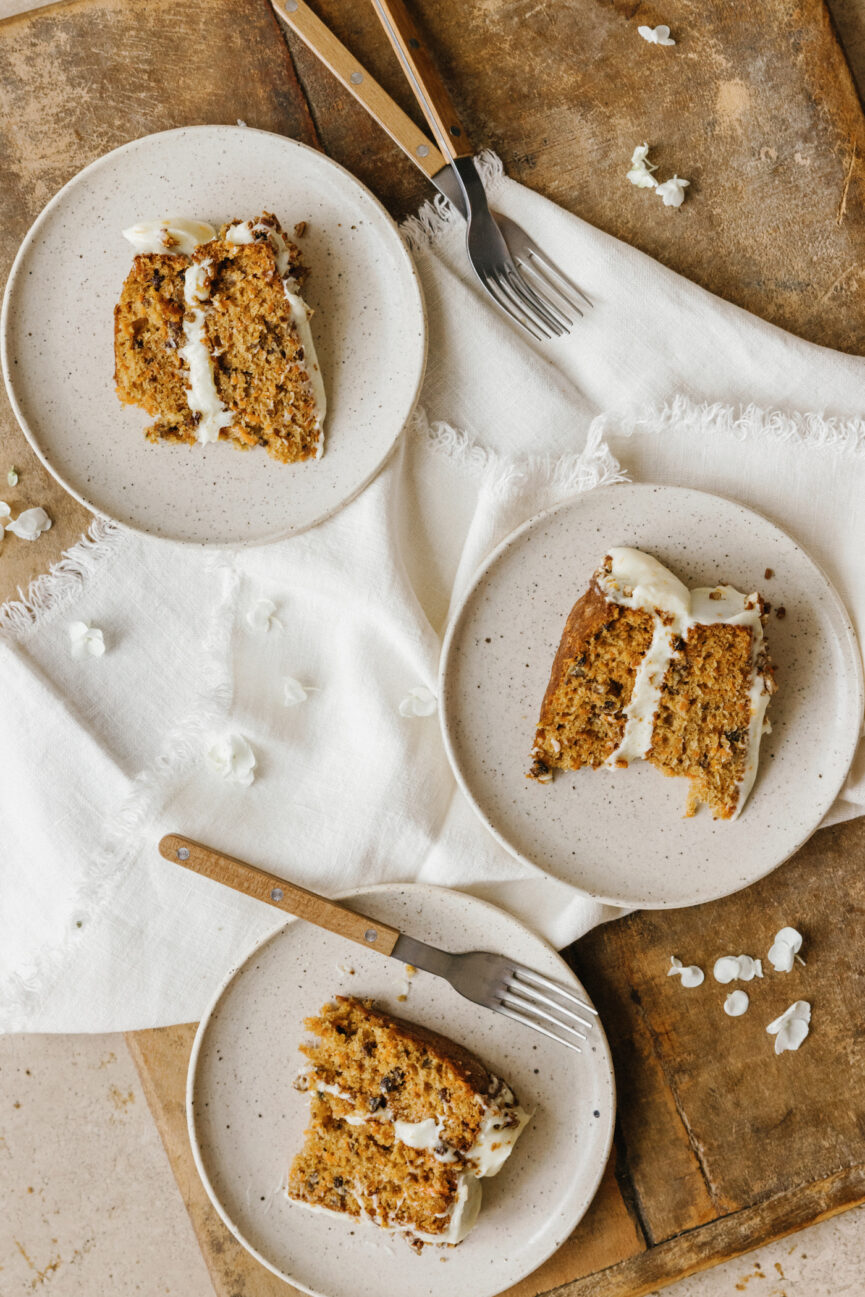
(620, 836)
(246, 1121)
(58, 348)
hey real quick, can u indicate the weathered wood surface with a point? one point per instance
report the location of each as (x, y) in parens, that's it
(79, 79)
(721, 1146)
(757, 108)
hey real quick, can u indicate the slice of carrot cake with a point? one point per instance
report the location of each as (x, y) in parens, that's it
(404, 1124)
(647, 669)
(212, 337)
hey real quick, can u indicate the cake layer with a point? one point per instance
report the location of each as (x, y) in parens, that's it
(212, 338)
(400, 1115)
(647, 669)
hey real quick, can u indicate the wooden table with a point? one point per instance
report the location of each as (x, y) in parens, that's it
(718, 1148)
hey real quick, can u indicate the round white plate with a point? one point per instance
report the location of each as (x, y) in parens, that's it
(58, 347)
(620, 836)
(246, 1122)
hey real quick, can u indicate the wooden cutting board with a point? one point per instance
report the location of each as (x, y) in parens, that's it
(720, 1146)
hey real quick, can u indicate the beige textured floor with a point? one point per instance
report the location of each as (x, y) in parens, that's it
(89, 1205)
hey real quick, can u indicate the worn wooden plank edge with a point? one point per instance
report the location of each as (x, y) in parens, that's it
(724, 1239)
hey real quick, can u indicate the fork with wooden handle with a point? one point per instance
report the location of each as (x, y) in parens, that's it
(493, 981)
(527, 254)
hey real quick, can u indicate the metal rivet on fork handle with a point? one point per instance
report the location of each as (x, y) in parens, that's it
(370, 935)
(183, 853)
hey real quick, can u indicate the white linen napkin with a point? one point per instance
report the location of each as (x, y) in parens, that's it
(660, 382)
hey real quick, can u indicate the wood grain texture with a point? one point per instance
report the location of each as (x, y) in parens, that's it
(79, 79)
(749, 1124)
(761, 115)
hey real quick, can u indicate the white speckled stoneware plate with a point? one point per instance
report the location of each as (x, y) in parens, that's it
(58, 349)
(620, 836)
(246, 1121)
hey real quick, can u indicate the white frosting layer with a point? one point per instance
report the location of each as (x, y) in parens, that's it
(177, 235)
(638, 580)
(246, 232)
(201, 394)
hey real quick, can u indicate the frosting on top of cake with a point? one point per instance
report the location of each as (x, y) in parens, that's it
(176, 235)
(181, 235)
(638, 580)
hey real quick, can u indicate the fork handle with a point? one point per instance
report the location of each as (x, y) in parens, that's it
(424, 78)
(279, 893)
(358, 82)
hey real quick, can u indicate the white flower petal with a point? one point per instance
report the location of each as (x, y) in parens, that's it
(726, 969)
(791, 1028)
(659, 35)
(640, 177)
(5, 511)
(784, 949)
(233, 759)
(260, 617)
(85, 641)
(293, 692)
(30, 524)
(672, 191)
(691, 976)
(419, 701)
(736, 1004)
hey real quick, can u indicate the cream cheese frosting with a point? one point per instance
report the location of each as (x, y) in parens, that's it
(485, 1158)
(177, 235)
(638, 580)
(201, 395)
(182, 235)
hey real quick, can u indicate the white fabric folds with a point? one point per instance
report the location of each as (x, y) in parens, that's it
(101, 756)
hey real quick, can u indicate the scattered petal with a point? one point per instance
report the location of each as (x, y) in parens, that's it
(784, 949)
(29, 524)
(656, 35)
(640, 157)
(293, 692)
(85, 641)
(418, 702)
(672, 191)
(260, 617)
(736, 1004)
(5, 511)
(792, 1027)
(641, 177)
(641, 170)
(730, 967)
(12, 476)
(726, 969)
(233, 758)
(691, 976)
